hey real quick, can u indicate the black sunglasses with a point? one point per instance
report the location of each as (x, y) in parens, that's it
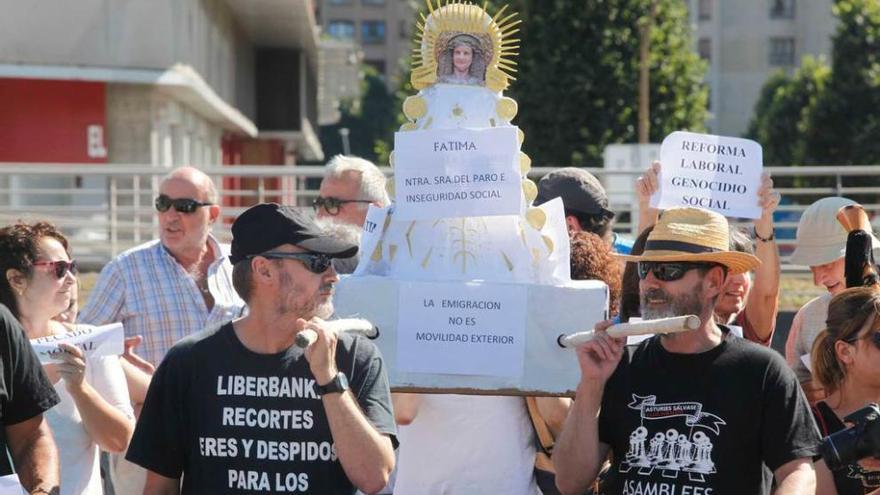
(331, 204)
(60, 267)
(314, 262)
(874, 338)
(669, 272)
(181, 205)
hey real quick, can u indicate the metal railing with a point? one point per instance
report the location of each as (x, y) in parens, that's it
(107, 208)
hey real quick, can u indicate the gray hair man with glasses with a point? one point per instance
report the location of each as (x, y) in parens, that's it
(349, 186)
(239, 408)
(172, 287)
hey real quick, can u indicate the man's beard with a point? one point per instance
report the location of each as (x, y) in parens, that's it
(685, 304)
(311, 308)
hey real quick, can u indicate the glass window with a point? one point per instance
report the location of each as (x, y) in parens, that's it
(782, 9)
(341, 29)
(339, 2)
(781, 52)
(402, 28)
(372, 32)
(704, 10)
(704, 48)
(373, 2)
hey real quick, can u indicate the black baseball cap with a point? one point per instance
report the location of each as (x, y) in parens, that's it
(580, 191)
(266, 226)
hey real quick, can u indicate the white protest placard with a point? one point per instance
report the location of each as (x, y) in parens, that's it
(374, 227)
(95, 341)
(10, 485)
(457, 173)
(716, 173)
(461, 329)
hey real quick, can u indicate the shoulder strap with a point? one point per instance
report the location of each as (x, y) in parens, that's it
(545, 437)
(820, 418)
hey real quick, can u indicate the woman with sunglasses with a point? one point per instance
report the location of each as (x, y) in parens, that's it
(94, 412)
(846, 361)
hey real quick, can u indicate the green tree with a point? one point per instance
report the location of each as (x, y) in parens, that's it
(845, 126)
(784, 112)
(370, 120)
(577, 83)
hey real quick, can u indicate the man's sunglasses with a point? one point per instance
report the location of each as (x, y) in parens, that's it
(669, 272)
(181, 205)
(60, 267)
(314, 262)
(331, 204)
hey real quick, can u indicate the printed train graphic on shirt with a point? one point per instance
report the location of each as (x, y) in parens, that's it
(671, 450)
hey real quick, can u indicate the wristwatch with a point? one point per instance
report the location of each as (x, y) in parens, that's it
(339, 383)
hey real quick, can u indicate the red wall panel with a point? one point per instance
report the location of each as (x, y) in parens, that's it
(48, 120)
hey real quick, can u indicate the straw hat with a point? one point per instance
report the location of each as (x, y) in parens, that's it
(694, 234)
(821, 238)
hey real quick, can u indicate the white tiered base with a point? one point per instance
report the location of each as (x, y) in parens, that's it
(548, 369)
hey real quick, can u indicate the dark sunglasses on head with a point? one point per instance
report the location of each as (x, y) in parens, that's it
(60, 267)
(669, 272)
(874, 338)
(181, 205)
(331, 204)
(314, 262)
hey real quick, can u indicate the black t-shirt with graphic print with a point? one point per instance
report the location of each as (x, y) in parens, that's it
(232, 421)
(25, 391)
(703, 424)
(853, 479)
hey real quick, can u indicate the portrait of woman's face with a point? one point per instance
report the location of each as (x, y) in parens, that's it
(462, 62)
(462, 57)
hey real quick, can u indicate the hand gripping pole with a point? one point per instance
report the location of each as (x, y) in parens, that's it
(308, 336)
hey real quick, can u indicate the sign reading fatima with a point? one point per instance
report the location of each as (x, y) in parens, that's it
(717, 173)
(462, 329)
(99, 341)
(457, 173)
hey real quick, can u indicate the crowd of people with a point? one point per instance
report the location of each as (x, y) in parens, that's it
(212, 395)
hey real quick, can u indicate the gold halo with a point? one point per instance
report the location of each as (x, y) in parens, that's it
(506, 108)
(536, 218)
(415, 107)
(462, 17)
(530, 190)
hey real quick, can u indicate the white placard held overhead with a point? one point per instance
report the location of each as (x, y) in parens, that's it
(9, 485)
(469, 329)
(716, 173)
(457, 173)
(95, 341)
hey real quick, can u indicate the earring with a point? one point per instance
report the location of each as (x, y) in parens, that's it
(20, 291)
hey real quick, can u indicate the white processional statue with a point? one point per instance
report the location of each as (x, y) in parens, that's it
(468, 282)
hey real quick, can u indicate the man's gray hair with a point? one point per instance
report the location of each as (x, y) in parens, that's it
(372, 179)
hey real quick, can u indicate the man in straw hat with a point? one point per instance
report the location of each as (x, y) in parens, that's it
(695, 412)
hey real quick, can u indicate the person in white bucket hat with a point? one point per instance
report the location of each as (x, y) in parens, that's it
(821, 245)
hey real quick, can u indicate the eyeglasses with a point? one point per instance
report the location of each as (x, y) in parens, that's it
(331, 205)
(669, 272)
(314, 262)
(181, 205)
(60, 267)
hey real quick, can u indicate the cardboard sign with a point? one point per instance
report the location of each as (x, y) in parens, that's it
(457, 173)
(462, 329)
(716, 173)
(95, 341)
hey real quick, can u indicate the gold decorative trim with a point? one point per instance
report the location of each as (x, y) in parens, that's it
(525, 163)
(415, 107)
(450, 18)
(536, 218)
(408, 126)
(506, 108)
(520, 136)
(377, 253)
(549, 242)
(530, 190)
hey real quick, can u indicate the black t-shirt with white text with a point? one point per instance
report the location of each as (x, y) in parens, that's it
(703, 424)
(25, 391)
(233, 421)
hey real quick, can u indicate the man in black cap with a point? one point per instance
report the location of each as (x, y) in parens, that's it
(585, 202)
(241, 409)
